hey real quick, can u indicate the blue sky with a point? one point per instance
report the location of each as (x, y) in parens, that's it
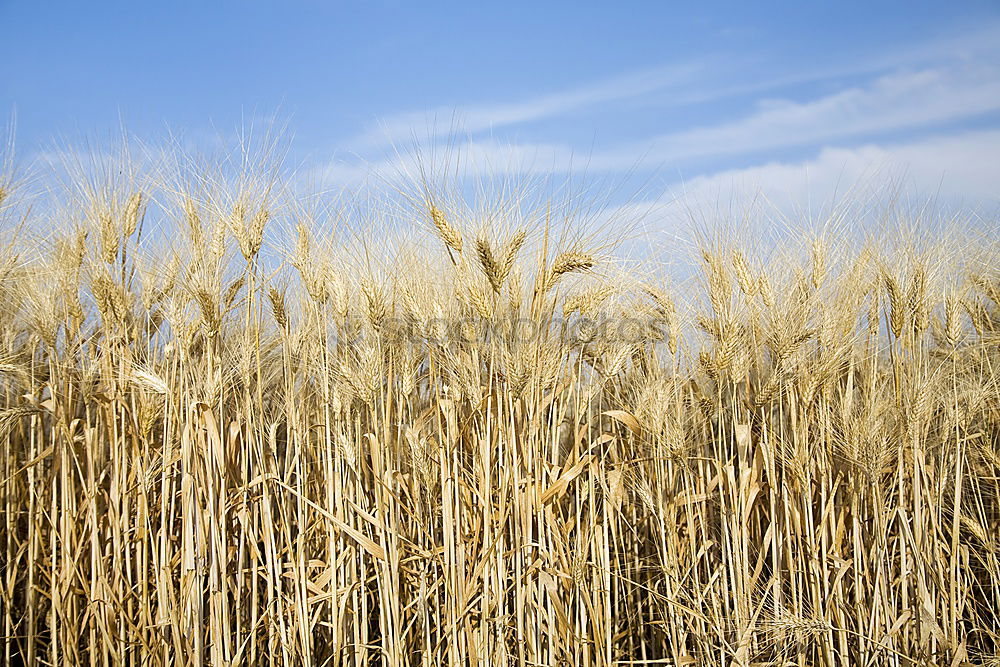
(792, 98)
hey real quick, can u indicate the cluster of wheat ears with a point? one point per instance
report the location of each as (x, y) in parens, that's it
(236, 431)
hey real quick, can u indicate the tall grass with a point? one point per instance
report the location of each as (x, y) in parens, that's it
(268, 443)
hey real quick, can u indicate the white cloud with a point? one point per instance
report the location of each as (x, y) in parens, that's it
(477, 118)
(955, 173)
(938, 96)
(946, 66)
(892, 103)
(487, 157)
(964, 168)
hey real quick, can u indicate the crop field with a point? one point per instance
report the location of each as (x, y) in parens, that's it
(443, 426)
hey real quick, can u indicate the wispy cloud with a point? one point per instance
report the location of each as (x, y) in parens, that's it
(953, 174)
(892, 103)
(476, 118)
(961, 169)
(474, 157)
(712, 77)
(889, 104)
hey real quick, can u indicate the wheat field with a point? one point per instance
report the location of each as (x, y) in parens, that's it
(435, 427)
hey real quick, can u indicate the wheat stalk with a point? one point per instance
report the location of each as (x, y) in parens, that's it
(768, 476)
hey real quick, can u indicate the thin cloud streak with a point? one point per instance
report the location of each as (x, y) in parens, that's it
(893, 103)
(689, 84)
(960, 169)
(476, 118)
